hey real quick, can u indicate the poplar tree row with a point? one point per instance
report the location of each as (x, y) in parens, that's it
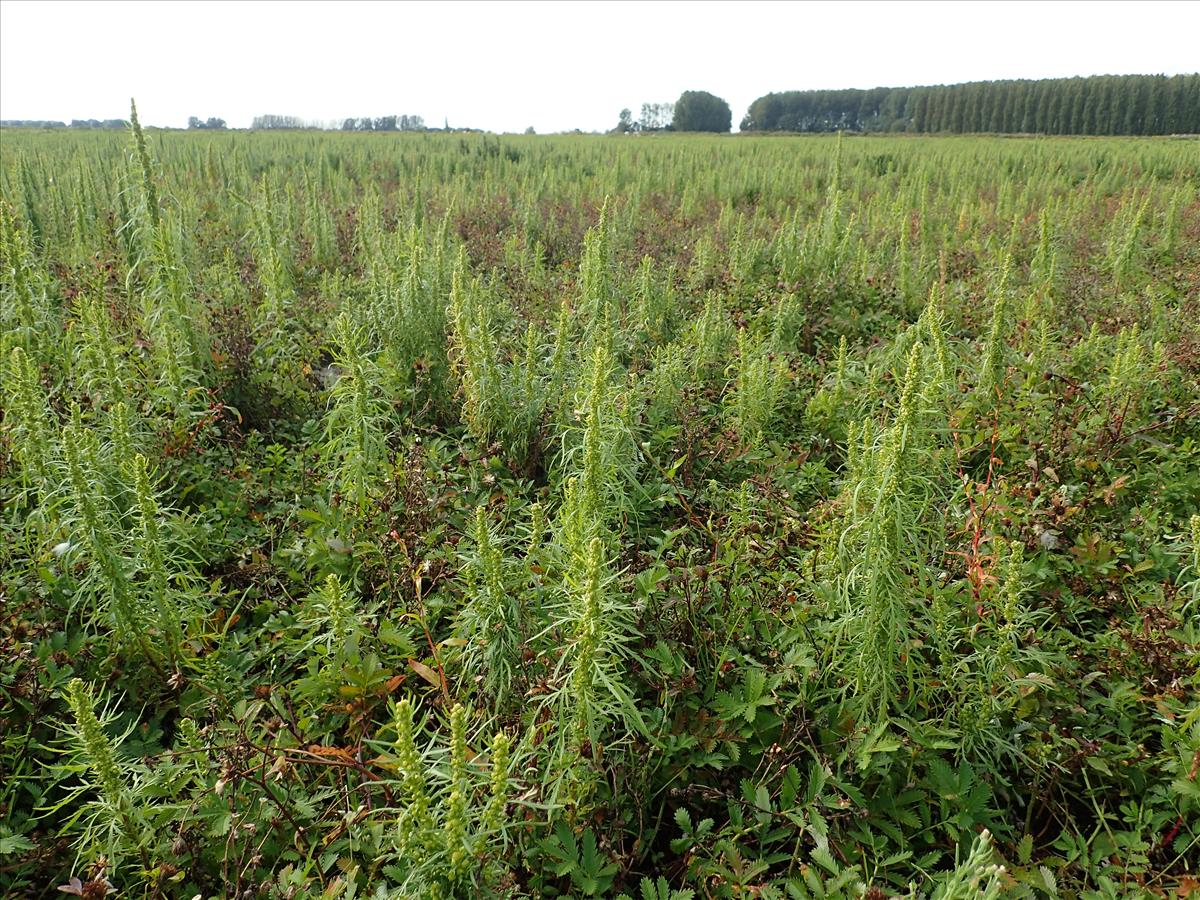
(1103, 104)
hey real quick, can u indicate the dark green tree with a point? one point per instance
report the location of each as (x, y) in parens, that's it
(1103, 104)
(701, 111)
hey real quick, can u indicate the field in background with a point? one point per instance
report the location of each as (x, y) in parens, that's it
(457, 516)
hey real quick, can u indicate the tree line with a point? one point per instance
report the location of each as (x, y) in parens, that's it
(1101, 104)
(74, 123)
(366, 123)
(385, 123)
(693, 111)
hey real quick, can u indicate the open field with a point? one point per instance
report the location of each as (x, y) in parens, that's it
(462, 516)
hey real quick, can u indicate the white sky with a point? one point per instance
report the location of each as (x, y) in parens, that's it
(556, 66)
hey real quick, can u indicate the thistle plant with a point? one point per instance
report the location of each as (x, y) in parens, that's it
(490, 621)
(704, 264)
(452, 819)
(1193, 567)
(710, 337)
(276, 357)
(357, 426)
(654, 303)
(746, 252)
(1008, 611)
(758, 383)
(27, 419)
(1127, 371)
(176, 324)
(319, 228)
(560, 364)
(330, 614)
(977, 877)
(596, 272)
(158, 595)
(991, 374)
(499, 401)
(1170, 229)
(125, 439)
(455, 828)
(1124, 240)
(1043, 268)
(150, 192)
(591, 694)
(933, 321)
(663, 386)
(598, 450)
(416, 818)
(889, 524)
(788, 324)
(827, 405)
(102, 370)
(92, 520)
(113, 820)
(27, 316)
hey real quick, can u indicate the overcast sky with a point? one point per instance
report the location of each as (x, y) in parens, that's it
(555, 66)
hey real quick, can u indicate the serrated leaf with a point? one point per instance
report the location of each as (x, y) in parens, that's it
(816, 781)
(684, 820)
(11, 845)
(1025, 849)
(221, 824)
(1049, 880)
(822, 857)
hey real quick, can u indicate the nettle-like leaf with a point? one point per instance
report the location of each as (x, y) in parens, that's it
(753, 694)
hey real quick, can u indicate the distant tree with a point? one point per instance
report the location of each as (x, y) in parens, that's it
(272, 122)
(656, 116)
(211, 124)
(530, 130)
(701, 111)
(31, 123)
(624, 122)
(412, 123)
(385, 123)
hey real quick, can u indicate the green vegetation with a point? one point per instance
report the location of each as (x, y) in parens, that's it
(1098, 104)
(701, 111)
(446, 516)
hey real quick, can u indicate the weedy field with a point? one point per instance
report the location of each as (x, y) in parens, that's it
(668, 517)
